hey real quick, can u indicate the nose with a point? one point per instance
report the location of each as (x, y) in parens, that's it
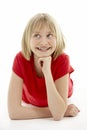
(44, 40)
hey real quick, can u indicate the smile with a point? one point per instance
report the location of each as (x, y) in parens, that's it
(43, 48)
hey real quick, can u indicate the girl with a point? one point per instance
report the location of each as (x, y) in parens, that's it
(41, 74)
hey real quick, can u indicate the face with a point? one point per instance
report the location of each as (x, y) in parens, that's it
(43, 42)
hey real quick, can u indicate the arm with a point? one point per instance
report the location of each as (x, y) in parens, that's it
(57, 95)
(18, 112)
(15, 109)
(56, 91)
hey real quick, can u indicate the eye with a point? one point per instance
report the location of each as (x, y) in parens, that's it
(37, 36)
(50, 35)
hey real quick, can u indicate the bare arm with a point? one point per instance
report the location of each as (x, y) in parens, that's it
(56, 91)
(57, 95)
(15, 109)
(18, 112)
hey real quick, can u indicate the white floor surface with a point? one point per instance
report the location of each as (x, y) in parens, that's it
(76, 123)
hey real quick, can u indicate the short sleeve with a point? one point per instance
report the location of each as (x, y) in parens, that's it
(17, 65)
(62, 66)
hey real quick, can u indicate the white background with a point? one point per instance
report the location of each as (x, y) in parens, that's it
(72, 17)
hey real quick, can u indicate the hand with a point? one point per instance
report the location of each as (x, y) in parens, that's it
(71, 111)
(45, 64)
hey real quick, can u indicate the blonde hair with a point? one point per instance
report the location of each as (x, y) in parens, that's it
(37, 22)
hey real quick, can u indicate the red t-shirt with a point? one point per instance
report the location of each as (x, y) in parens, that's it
(34, 89)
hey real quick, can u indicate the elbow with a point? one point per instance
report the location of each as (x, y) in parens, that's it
(13, 116)
(14, 112)
(58, 117)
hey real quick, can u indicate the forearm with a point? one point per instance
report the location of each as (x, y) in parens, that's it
(22, 113)
(56, 103)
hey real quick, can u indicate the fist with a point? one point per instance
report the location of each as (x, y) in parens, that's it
(45, 63)
(72, 110)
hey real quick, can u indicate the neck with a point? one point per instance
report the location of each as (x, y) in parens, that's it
(37, 67)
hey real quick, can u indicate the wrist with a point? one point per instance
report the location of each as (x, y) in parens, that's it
(47, 72)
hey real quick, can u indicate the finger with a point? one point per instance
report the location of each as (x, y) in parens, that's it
(77, 109)
(40, 62)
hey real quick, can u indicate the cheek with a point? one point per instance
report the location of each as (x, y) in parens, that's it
(31, 45)
(33, 42)
(54, 44)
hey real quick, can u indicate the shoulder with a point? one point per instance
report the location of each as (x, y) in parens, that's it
(20, 64)
(20, 57)
(62, 62)
(21, 61)
(62, 58)
(61, 66)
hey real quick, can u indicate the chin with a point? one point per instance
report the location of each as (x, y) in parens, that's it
(44, 55)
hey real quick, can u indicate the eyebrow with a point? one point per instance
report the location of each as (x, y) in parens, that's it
(40, 32)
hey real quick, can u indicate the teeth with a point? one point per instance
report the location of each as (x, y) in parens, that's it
(43, 48)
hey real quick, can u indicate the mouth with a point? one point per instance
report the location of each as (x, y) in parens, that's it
(43, 49)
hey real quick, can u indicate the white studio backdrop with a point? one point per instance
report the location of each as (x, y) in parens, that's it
(72, 17)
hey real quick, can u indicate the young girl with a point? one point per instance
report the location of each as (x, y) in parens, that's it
(41, 74)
